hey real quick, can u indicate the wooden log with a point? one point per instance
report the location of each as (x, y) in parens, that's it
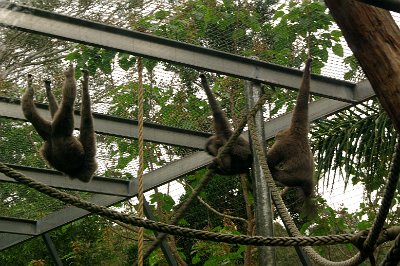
(374, 38)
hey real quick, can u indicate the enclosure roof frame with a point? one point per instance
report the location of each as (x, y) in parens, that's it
(69, 28)
(338, 95)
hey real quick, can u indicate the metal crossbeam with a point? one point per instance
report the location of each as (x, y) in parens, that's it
(113, 191)
(127, 128)
(317, 110)
(18, 226)
(115, 126)
(114, 186)
(97, 34)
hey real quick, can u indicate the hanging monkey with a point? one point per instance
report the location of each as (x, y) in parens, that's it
(66, 153)
(239, 158)
(290, 159)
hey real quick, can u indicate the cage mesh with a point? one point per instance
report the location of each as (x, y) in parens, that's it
(172, 92)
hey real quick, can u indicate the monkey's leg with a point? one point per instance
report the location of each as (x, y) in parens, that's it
(285, 178)
(63, 122)
(42, 126)
(87, 135)
(224, 163)
(212, 146)
(53, 105)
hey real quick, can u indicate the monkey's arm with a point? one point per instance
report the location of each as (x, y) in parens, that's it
(42, 126)
(87, 135)
(241, 149)
(300, 113)
(221, 123)
(274, 157)
(53, 105)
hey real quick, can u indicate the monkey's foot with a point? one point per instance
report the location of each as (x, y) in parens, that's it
(70, 71)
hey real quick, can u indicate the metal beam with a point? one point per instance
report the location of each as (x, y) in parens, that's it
(98, 185)
(320, 109)
(114, 186)
(52, 249)
(392, 5)
(69, 214)
(164, 244)
(263, 211)
(18, 226)
(97, 34)
(9, 240)
(109, 125)
(317, 110)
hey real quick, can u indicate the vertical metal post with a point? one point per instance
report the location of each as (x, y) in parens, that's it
(304, 259)
(262, 194)
(164, 244)
(52, 249)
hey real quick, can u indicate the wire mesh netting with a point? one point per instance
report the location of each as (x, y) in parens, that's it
(271, 31)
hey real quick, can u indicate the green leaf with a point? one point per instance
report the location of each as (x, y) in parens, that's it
(337, 49)
(150, 64)
(196, 259)
(126, 61)
(278, 14)
(336, 33)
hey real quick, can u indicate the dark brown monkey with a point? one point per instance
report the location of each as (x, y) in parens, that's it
(239, 159)
(66, 153)
(290, 158)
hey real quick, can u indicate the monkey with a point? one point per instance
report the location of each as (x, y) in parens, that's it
(239, 159)
(290, 159)
(73, 156)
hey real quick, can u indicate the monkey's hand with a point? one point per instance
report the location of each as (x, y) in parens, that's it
(70, 72)
(309, 208)
(204, 81)
(85, 81)
(29, 92)
(213, 165)
(47, 85)
(85, 73)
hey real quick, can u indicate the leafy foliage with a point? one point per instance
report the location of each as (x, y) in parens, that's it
(358, 144)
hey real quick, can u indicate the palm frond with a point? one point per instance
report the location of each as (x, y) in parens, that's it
(357, 143)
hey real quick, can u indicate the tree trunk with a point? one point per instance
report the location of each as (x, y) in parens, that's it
(374, 38)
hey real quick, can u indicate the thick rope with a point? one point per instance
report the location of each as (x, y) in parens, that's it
(393, 256)
(141, 159)
(179, 213)
(298, 240)
(172, 229)
(222, 152)
(281, 208)
(277, 199)
(390, 190)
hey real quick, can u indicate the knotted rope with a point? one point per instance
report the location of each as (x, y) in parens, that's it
(172, 229)
(281, 208)
(297, 240)
(393, 256)
(222, 152)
